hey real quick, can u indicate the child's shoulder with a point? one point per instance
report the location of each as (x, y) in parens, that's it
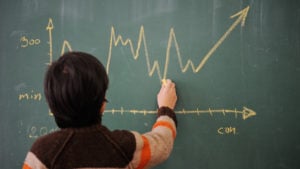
(50, 140)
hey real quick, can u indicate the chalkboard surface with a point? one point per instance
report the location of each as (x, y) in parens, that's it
(236, 64)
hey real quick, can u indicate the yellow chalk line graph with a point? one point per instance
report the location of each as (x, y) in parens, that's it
(115, 40)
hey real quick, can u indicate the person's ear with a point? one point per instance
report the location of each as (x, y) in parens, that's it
(103, 106)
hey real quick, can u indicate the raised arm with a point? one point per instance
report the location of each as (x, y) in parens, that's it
(155, 146)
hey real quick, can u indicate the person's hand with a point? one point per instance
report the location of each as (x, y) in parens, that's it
(167, 95)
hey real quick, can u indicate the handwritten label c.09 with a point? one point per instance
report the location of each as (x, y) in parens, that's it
(229, 130)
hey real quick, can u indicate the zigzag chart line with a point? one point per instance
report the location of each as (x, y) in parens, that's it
(115, 40)
(118, 39)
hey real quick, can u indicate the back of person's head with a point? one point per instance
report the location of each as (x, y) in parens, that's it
(75, 87)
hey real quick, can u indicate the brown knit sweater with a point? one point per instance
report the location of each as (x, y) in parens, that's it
(97, 147)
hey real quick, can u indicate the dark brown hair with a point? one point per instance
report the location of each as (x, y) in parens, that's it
(75, 87)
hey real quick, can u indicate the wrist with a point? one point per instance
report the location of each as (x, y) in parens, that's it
(167, 111)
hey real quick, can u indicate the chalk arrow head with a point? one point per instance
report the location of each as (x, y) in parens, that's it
(248, 113)
(50, 25)
(242, 15)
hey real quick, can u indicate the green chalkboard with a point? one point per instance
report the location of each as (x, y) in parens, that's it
(236, 65)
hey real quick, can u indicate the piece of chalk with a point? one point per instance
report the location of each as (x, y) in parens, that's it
(164, 81)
